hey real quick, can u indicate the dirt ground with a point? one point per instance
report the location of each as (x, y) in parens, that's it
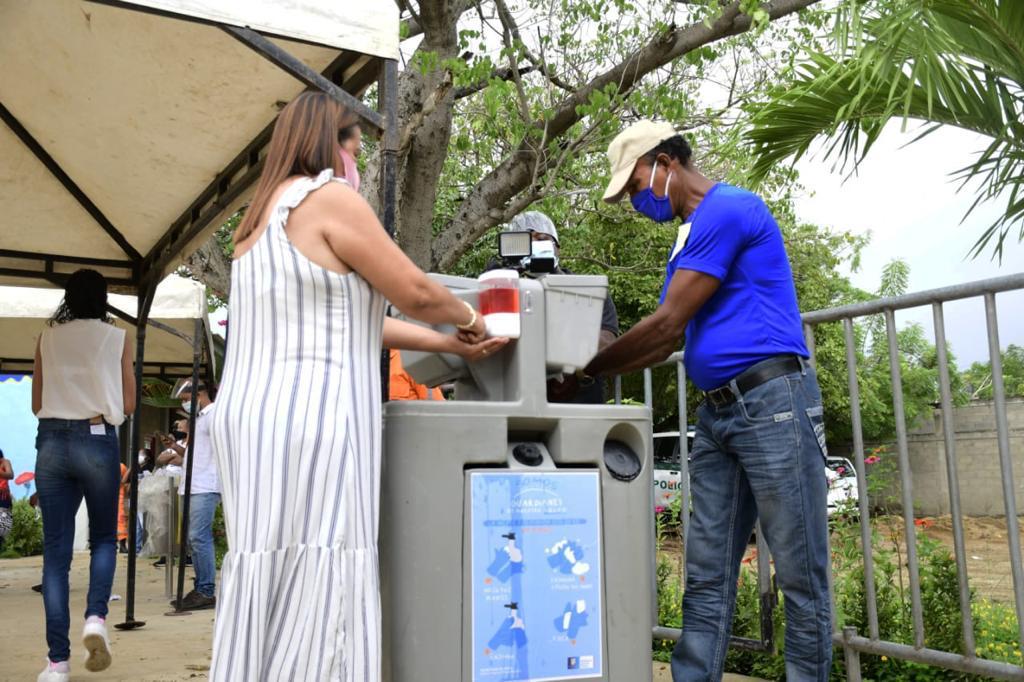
(167, 649)
(985, 540)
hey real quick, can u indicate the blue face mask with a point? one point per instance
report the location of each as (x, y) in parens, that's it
(658, 209)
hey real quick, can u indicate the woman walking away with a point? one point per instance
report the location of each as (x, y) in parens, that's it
(300, 405)
(82, 387)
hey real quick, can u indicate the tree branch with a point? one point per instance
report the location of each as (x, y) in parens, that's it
(639, 268)
(477, 213)
(501, 74)
(413, 26)
(404, 6)
(510, 34)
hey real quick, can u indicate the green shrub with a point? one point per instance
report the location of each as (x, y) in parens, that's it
(26, 536)
(220, 535)
(995, 624)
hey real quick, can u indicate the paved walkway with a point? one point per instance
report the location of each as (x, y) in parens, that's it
(167, 649)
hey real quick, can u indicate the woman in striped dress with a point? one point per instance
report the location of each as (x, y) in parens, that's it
(297, 424)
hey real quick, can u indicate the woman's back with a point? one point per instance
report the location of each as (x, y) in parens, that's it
(81, 363)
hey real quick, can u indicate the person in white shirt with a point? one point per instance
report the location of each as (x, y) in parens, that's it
(82, 388)
(204, 496)
(174, 445)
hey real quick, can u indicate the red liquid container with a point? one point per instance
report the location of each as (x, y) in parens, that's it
(499, 302)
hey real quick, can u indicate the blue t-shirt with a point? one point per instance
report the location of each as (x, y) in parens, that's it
(753, 315)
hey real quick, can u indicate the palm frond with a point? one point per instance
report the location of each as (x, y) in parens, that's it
(948, 62)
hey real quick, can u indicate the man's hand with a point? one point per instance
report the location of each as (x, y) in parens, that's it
(563, 390)
(656, 336)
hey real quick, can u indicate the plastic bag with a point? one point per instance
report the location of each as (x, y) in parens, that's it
(155, 493)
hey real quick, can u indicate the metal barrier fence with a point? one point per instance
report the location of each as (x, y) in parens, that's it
(852, 642)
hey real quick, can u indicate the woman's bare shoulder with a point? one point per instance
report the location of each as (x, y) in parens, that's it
(334, 194)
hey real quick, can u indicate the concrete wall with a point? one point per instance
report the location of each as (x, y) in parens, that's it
(977, 454)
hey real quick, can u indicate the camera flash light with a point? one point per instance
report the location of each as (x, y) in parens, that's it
(514, 244)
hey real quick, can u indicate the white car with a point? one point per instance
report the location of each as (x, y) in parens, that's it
(839, 473)
(842, 485)
(666, 466)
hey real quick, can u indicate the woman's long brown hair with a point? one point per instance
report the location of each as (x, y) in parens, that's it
(305, 142)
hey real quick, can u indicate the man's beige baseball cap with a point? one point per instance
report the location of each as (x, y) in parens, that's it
(627, 148)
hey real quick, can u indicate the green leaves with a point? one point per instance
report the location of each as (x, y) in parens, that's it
(947, 62)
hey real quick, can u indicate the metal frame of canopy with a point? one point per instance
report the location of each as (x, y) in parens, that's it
(344, 79)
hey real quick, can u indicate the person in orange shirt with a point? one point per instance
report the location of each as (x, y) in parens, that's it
(404, 387)
(122, 515)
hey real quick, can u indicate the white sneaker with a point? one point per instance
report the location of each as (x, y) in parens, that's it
(97, 646)
(55, 672)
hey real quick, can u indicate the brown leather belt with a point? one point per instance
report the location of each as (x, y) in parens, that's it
(96, 420)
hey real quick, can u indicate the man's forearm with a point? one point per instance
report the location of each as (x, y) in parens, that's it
(650, 341)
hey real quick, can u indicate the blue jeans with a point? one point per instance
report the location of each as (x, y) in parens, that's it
(761, 456)
(72, 463)
(200, 537)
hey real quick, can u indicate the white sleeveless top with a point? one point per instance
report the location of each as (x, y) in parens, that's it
(82, 371)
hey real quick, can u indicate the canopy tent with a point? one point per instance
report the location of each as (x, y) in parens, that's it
(131, 129)
(169, 348)
(129, 136)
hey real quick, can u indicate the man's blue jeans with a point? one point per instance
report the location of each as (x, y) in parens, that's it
(200, 538)
(72, 463)
(761, 456)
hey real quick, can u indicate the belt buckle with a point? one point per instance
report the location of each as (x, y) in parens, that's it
(720, 397)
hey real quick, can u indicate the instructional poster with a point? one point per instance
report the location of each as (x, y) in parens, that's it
(535, 542)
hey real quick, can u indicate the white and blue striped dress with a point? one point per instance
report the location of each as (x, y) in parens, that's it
(297, 436)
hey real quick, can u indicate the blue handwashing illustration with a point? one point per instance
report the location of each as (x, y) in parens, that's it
(512, 633)
(572, 619)
(508, 560)
(565, 556)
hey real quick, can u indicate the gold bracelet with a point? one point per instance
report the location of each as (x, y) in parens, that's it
(472, 321)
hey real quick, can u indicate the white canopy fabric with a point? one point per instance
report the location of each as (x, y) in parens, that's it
(143, 111)
(177, 304)
(370, 28)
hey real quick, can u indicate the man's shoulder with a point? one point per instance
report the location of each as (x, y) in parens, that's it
(730, 198)
(731, 206)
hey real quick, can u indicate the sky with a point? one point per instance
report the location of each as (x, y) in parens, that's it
(904, 196)
(18, 435)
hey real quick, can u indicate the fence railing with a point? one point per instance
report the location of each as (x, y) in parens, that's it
(852, 642)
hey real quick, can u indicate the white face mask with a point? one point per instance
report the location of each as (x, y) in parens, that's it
(186, 405)
(142, 460)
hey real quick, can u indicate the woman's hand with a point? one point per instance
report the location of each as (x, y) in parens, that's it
(474, 352)
(475, 334)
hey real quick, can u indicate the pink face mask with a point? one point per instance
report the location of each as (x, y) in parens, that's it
(351, 170)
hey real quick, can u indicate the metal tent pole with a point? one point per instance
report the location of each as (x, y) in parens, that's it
(197, 353)
(387, 100)
(146, 294)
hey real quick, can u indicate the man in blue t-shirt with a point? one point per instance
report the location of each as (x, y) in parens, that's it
(759, 449)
